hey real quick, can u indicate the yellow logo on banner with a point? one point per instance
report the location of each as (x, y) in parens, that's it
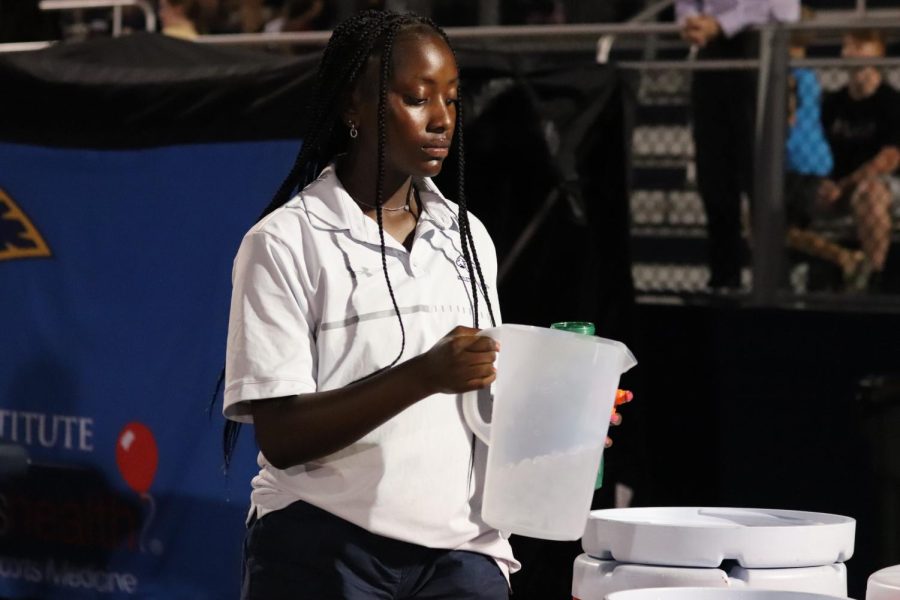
(19, 238)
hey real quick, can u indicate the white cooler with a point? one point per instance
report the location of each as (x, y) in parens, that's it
(713, 594)
(884, 584)
(636, 548)
(594, 578)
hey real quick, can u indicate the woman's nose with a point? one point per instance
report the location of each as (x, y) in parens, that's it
(442, 117)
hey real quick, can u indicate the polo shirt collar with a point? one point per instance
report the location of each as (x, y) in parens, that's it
(330, 206)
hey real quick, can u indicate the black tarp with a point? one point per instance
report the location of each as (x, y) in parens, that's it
(146, 90)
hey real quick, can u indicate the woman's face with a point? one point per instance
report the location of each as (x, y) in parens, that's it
(420, 115)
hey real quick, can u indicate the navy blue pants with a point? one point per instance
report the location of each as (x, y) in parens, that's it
(303, 552)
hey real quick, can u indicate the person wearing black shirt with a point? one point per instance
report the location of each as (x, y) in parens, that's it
(862, 123)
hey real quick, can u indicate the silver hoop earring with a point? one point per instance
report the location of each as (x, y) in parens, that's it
(353, 130)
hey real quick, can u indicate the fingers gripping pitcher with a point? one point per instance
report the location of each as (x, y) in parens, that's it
(553, 396)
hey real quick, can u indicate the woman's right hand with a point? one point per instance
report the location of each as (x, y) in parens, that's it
(460, 361)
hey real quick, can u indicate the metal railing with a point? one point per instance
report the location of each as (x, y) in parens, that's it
(115, 5)
(585, 34)
(66, 5)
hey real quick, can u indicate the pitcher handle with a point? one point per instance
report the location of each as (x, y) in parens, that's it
(472, 416)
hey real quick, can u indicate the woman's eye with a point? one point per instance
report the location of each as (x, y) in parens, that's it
(453, 101)
(415, 100)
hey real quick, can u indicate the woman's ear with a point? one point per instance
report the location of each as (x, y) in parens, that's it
(349, 115)
(358, 104)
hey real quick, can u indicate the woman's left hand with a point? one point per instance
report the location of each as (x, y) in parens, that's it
(622, 397)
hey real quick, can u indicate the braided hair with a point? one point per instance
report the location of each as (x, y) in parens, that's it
(367, 34)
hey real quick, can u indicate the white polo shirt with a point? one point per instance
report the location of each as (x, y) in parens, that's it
(310, 311)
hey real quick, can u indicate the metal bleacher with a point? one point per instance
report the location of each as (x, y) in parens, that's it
(667, 217)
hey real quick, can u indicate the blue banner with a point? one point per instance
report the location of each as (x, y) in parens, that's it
(115, 271)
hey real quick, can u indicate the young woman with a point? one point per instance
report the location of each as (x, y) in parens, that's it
(352, 331)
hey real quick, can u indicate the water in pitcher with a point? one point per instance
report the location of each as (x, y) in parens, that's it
(522, 492)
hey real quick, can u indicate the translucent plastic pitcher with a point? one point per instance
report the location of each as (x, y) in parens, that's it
(552, 402)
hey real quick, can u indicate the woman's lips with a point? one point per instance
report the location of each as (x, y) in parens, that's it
(436, 151)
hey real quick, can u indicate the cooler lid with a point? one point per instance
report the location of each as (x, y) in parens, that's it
(713, 594)
(594, 578)
(884, 584)
(705, 536)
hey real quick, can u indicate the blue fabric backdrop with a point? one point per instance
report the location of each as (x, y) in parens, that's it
(111, 347)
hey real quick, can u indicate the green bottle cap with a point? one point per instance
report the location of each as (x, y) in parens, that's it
(585, 327)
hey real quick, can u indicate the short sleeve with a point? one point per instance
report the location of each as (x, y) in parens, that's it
(271, 347)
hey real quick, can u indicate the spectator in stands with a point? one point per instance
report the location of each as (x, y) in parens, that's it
(808, 164)
(723, 117)
(862, 122)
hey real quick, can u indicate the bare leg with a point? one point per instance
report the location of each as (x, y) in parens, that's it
(818, 246)
(871, 203)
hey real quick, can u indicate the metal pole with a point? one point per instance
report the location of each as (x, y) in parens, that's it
(117, 21)
(25, 46)
(764, 66)
(861, 8)
(549, 33)
(768, 229)
(144, 5)
(589, 33)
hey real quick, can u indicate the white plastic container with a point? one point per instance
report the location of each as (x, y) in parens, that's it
(594, 579)
(553, 397)
(830, 580)
(884, 584)
(712, 594)
(704, 537)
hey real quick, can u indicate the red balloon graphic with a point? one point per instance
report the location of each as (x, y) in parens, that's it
(137, 456)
